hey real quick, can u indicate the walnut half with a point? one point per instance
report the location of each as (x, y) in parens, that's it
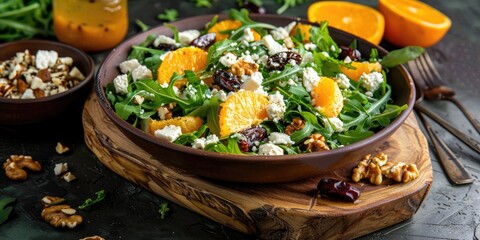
(15, 164)
(61, 216)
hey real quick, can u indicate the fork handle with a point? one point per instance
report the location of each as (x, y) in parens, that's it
(454, 169)
(472, 143)
(475, 123)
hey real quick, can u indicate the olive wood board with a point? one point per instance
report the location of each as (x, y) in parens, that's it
(270, 211)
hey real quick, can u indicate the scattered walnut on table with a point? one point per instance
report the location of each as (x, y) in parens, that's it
(316, 143)
(377, 167)
(61, 216)
(15, 164)
(48, 201)
(61, 148)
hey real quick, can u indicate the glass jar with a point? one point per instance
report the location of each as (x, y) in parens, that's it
(91, 25)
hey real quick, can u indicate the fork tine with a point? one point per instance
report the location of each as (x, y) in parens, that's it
(432, 67)
(426, 70)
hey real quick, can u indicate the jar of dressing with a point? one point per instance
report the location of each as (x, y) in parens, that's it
(91, 25)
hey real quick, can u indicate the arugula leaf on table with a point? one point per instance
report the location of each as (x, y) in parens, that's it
(401, 56)
(168, 15)
(5, 211)
(143, 27)
(163, 210)
(99, 196)
(202, 3)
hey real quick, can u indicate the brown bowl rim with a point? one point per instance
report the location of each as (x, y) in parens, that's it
(213, 156)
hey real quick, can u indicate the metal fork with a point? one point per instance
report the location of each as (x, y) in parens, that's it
(435, 89)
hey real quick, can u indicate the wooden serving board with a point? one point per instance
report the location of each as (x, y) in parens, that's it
(270, 211)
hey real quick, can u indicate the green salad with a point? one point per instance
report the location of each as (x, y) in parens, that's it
(246, 87)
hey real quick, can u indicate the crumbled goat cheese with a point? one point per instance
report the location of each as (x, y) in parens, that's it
(279, 33)
(162, 57)
(269, 149)
(228, 59)
(162, 39)
(219, 94)
(325, 54)
(280, 138)
(276, 106)
(45, 59)
(310, 79)
(121, 84)
(200, 143)
(129, 65)
(248, 35)
(307, 58)
(347, 59)
(141, 72)
(310, 46)
(169, 132)
(272, 45)
(342, 81)
(253, 82)
(186, 37)
(372, 81)
(337, 124)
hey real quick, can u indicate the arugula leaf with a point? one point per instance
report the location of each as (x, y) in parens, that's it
(99, 196)
(163, 210)
(287, 4)
(286, 73)
(189, 138)
(202, 3)
(139, 54)
(5, 211)
(212, 116)
(168, 15)
(401, 56)
(322, 39)
(353, 136)
(144, 27)
(306, 131)
(215, 52)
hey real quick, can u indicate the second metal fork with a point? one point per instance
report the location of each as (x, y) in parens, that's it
(434, 88)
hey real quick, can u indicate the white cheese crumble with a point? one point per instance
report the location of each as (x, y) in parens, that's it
(129, 65)
(310, 79)
(269, 149)
(372, 81)
(200, 143)
(228, 59)
(219, 94)
(141, 72)
(169, 132)
(276, 106)
(272, 45)
(307, 58)
(121, 84)
(162, 39)
(45, 59)
(248, 35)
(342, 81)
(310, 46)
(253, 82)
(279, 33)
(336, 123)
(186, 37)
(280, 138)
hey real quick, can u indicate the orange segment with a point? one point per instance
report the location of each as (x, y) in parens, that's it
(187, 123)
(304, 30)
(409, 22)
(360, 69)
(360, 20)
(242, 110)
(188, 58)
(226, 25)
(328, 97)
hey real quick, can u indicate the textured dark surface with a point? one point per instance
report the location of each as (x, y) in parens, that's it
(129, 212)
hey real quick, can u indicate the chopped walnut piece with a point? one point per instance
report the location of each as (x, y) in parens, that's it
(60, 168)
(69, 177)
(61, 148)
(61, 216)
(377, 167)
(92, 238)
(297, 124)
(316, 143)
(242, 67)
(15, 164)
(48, 201)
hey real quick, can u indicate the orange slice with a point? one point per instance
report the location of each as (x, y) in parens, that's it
(360, 20)
(410, 22)
(242, 110)
(360, 69)
(187, 58)
(187, 123)
(226, 25)
(328, 97)
(304, 30)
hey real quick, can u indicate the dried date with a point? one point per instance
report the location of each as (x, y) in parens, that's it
(252, 136)
(226, 80)
(351, 53)
(167, 47)
(204, 41)
(335, 190)
(279, 60)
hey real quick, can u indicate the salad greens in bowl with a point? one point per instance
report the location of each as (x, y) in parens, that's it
(255, 98)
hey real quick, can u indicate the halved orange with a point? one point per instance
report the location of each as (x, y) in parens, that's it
(187, 58)
(360, 20)
(360, 69)
(226, 25)
(304, 29)
(410, 22)
(188, 124)
(242, 110)
(328, 97)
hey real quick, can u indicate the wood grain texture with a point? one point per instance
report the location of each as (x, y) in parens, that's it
(270, 211)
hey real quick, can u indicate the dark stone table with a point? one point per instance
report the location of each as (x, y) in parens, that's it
(129, 212)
